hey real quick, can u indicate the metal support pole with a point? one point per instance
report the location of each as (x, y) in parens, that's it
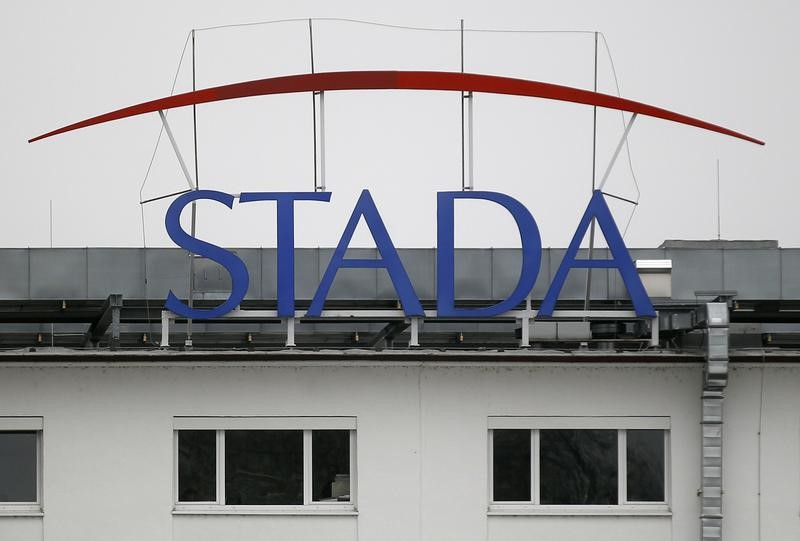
(467, 161)
(290, 327)
(413, 341)
(525, 325)
(617, 151)
(313, 103)
(175, 148)
(654, 331)
(594, 166)
(166, 315)
(321, 146)
(188, 342)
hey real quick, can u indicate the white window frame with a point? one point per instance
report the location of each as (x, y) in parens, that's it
(26, 424)
(304, 424)
(620, 424)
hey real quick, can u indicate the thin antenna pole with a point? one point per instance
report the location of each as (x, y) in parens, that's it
(719, 229)
(594, 165)
(463, 157)
(194, 203)
(313, 101)
(52, 325)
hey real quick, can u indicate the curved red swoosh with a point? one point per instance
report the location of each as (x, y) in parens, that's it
(395, 80)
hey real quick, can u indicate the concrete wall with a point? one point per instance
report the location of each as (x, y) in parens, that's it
(422, 445)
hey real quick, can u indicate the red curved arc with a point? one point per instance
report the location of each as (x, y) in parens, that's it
(398, 80)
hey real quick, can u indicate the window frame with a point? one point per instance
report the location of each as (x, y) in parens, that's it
(619, 423)
(26, 424)
(303, 424)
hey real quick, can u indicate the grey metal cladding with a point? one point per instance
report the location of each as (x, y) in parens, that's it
(267, 277)
(753, 274)
(254, 259)
(545, 276)
(167, 269)
(506, 266)
(480, 274)
(790, 274)
(307, 273)
(211, 277)
(617, 289)
(420, 264)
(695, 270)
(14, 271)
(473, 273)
(58, 273)
(575, 284)
(116, 270)
(351, 283)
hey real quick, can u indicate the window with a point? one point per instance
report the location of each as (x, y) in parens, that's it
(265, 464)
(578, 464)
(20, 465)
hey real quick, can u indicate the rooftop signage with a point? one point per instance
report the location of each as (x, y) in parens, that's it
(365, 207)
(445, 260)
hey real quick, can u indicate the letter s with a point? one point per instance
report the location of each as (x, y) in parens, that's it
(236, 268)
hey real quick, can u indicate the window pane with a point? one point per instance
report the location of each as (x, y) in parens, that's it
(18, 467)
(645, 465)
(197, 466)
(512, 465)
(578, 467)
(264, 467)
(330, 465)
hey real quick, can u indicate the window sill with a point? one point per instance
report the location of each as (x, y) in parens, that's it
(21, 511)
(305, 510)
(600, 510)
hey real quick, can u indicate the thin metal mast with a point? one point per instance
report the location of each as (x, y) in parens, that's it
(313, 101)
(194, 203)
(463, 157)
(594, 165)
(719, 223)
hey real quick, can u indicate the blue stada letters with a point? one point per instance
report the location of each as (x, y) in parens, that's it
(389, 259)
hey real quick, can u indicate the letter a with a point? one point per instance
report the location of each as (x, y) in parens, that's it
(620, 260)
(389, 259)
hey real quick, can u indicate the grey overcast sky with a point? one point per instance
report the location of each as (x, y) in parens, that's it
(729, 62)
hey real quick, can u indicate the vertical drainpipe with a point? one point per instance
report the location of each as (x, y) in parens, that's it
(715, 379)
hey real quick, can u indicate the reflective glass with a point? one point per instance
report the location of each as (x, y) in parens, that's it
(197, 466)
(18, 467)
(578, 467)
(264, 467)
(512, 465)
(645, 465)
(330, 465)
